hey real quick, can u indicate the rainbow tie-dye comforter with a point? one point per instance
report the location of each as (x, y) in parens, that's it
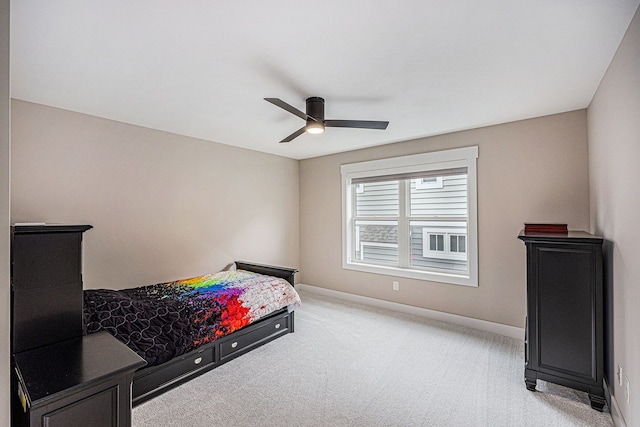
(162, 321)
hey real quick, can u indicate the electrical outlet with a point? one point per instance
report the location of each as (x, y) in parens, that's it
(619, 374)
(396, 286)
(626, 389)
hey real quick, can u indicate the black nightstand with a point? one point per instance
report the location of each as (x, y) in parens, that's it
(83, 381)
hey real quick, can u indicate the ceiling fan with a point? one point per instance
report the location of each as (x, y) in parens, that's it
(316, 121)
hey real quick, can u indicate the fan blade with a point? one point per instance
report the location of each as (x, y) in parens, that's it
(294, 135)
(293, 110)
(360, 124)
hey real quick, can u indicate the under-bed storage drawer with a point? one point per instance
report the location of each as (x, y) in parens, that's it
(254, 337)
(173, 371)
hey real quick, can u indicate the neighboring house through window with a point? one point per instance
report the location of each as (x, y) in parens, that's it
(413, 216)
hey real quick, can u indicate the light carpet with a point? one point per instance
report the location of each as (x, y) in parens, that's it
(353, 365)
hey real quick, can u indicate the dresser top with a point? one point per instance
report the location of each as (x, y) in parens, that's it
(63, 366)
(573, 236)
(49, 228)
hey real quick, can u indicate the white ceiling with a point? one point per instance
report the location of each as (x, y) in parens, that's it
(202, 68)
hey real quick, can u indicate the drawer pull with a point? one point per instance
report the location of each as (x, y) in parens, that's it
(277, 325)
(234, 344)
(198, 360)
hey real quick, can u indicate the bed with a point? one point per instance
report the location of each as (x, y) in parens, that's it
(187, 327)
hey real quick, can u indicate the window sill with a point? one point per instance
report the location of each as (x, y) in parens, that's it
(431, 276)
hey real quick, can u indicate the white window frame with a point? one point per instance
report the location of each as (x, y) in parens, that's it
(447, 159)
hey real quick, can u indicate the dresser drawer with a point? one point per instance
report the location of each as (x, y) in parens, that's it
(241, 342)
(173, 371)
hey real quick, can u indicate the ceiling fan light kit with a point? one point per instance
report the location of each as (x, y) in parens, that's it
(315, 121)
(314, 127)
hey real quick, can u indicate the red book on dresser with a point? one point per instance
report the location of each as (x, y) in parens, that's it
(545, 228)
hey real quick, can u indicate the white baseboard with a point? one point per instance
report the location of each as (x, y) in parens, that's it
(618, 421)
(482, 325)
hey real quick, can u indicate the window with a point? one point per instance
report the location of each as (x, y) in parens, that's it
(413, 216)
(436, 242)
(457, 244)
(445, 243)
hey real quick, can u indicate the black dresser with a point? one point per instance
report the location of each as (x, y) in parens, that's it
(564, 328)
(60, 377)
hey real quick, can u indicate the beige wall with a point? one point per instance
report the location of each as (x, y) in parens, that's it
(163, 206)
(528, 171)
(614, 154)
(4, 212)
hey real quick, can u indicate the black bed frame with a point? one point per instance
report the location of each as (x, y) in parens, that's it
(152, 381)
(47, 307)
